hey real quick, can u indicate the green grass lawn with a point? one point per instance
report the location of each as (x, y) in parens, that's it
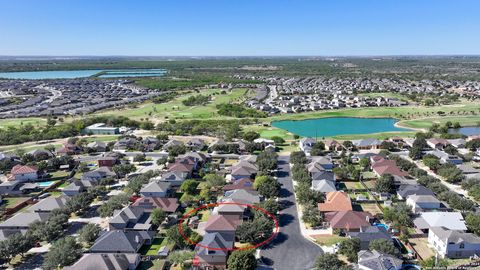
(157, 243)
(175, 108)
(13, 201)
(425, 123)
(385, 95)
(328, 240)
(22, 121)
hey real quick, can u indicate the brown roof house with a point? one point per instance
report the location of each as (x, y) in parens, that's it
(348, 220)
(336, 201)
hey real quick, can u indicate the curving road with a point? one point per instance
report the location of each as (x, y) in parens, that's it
(289, 250)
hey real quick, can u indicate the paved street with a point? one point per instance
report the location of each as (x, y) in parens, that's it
(289, 250)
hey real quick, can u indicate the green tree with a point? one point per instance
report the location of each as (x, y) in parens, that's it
(364, 163)
(267, 186)
(189, 186)
(350, 247)
(267, 161)
(181, 257)
(278, 139)
(473, 223)
(431, 161)
(255, 231)
(89, 233)
(312, 216)
(123, 169)
(298, 157)
(242, 260)
(328, 261)
(63, 252)
(385, 184)
(214, 180)
(250, 136)
(158, 216)
(139, 158)
(384, 246)
(173, 235)
(434, 263)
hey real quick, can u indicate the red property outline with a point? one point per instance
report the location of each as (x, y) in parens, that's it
(203, 206)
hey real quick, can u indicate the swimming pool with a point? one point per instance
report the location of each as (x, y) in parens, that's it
(45, 184)
(385, 226)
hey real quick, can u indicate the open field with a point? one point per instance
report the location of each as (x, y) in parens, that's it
(176, 110)
(425, 123)
(15, 122)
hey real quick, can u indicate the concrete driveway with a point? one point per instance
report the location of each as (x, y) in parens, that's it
(289, 250)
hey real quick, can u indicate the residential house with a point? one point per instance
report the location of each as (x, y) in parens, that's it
(175, 178)
(421, 203)
(169, 205)
(214, 257)
(458, 143)
(367, 144)
(369, 233)
(374, 260)
(243, 169)
(20, 223)
(98, 146)
(24, 173)
(12, 187)
(453, 244)
(230, 210)
(119, 241)
(109, 261)
(324, 186)
(130, 218)
(69, 149)
(78, 186)
(226, 225)
(107, 161)
(336, 201)
(156, 189)
(404, 191)
(244, 183)
(49, 204)
(241, 196)
(348, 220)
(446, 158)
(325, 162)
(196, 144)
(182, 168)
(98, 174)
(449, 220)
(41, 154)
(332, 145)
(125, 143)
(385, 166)
(437, 143)
(306, 145)
(171, 143)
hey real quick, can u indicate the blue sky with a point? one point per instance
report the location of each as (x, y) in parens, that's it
(239, 27)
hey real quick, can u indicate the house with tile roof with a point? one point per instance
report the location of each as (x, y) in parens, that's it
(386, 166)
(23, 173)
(336, 201)
(244, 183)
(348, 220)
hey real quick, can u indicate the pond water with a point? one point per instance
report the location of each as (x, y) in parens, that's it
(72, 74)
(467, 131)
(326, 127)
(41, 75)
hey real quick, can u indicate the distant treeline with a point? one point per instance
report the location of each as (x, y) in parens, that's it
(220, 69)
(196, 100)
(28, 132)
(192, 81)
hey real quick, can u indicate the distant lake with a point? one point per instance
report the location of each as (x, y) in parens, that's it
(467, 131)
(327, 127)
(72, 74)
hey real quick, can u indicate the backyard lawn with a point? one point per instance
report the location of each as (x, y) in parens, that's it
(328, 240)
(157, 243)
(14, 201)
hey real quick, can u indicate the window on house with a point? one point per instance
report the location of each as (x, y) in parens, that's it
(462, 245)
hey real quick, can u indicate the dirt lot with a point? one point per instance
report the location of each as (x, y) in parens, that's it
(422, 248)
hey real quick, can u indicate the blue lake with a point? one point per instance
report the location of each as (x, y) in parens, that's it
(467, 131)
(327, 127)
(72, 74)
